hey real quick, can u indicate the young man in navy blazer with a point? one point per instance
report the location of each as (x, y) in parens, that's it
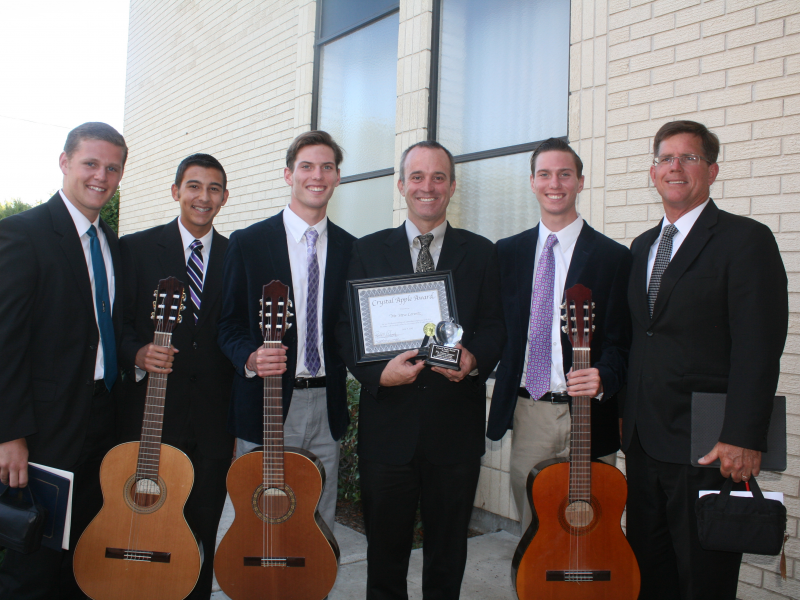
(536, 346)
(303, 249)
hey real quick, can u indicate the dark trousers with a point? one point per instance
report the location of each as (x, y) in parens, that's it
(47, 574)
(662, 530)
(390, 495)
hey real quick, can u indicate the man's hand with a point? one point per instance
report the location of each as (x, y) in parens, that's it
(585, 382)
(468, 362)
(400, 370)
(736, 462)
(268, 361)
(14, 463)
(155, 359)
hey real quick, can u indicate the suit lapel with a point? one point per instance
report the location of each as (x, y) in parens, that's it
(696, 240)
(397, 253)
(453, 250)
(584, 246)
(525, 256)
(639, 306)
(335, 271)
(71, 245)
(212, 284)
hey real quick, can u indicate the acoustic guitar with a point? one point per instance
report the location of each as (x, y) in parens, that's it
(278, 545)
(139, 544)
(575, 547)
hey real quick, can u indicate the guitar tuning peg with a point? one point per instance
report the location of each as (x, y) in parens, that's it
(564, 317)
(564, 329)
(153, 314)
(593, 305)
(592, 328)
(180, 318)
(563, 305)
(593, 315)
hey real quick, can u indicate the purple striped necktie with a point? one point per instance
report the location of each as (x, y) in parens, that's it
(195, 269)
(540, 348)
(312, 360)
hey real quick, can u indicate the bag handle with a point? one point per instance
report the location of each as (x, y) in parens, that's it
(20, 490)
(727, 487)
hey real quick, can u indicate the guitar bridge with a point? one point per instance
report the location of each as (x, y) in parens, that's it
(578, 576)
(138, 555)
(274, 561)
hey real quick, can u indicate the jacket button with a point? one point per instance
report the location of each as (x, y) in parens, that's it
(194, 345)
(92, 348)
(649, 334)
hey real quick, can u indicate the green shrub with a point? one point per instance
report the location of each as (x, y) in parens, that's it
(349, 484)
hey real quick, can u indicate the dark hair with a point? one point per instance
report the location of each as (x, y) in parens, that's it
(709, 140)
(200, 160)
(559, 145)
(313, 138)
(427, 144)
(95, 131)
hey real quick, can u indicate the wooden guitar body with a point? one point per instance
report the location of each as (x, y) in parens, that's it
(278, 546)
(167, 562)
(589, 560)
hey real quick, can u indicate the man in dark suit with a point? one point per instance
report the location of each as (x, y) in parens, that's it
(534, 379)
(303, 249)
(421, 428)
(708, 297)
(200, 376)
(60, 320)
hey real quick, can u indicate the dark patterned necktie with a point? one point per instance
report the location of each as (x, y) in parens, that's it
(312, 360)
(103, 304)
(195, 269)
(663, 256)
(425, 260)
(540, 347)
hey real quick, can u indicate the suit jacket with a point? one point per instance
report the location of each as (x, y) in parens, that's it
(603, 266)
(48, 332)
(256, 256)
(719, 325)
(447, 418)
(199, 387)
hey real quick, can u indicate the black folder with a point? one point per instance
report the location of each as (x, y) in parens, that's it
(708, 413)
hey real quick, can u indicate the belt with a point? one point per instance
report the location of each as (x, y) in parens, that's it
(552, 397)
(309, 382)
(99, 387)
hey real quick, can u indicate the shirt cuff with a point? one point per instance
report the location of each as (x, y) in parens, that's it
(140, 373)
(248, 373)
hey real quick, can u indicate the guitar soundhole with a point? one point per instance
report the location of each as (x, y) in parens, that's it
(145, 495)
(579, 517)
(274, 504)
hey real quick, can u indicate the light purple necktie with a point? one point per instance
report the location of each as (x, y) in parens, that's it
(195, 270)
(540, 347)
(312, 339)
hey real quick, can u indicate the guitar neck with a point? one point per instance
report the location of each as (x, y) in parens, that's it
(150, 444)
(272, 462)
(580, 469)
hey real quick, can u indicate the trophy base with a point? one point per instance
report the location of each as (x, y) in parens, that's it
(444, 356)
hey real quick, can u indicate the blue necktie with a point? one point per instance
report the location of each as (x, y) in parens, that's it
(103, 304)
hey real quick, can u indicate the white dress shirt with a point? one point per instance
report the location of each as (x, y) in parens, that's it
(187, 239)
(298, 260)
(436, 245)
(684, 226)
(82, 225)
(562, 252)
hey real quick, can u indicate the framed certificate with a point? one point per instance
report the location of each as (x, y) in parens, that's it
(388, 314)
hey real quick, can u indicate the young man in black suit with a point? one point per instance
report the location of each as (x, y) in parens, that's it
(303, 249)
(421, 428)
(199, 375)
(534, 378)
(708, 297)
(60, 321)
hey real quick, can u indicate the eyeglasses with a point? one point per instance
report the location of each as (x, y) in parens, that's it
(684, 159)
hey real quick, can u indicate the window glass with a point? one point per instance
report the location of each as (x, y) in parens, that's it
(363, 207)
(504, 73)
(339, 15)
(358, 95)
(493, 197)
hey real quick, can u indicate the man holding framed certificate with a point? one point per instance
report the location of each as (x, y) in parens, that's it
(421, 429)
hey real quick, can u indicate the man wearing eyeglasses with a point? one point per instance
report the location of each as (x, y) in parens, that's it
(709, 305)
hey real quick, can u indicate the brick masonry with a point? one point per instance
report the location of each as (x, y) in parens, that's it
(235, 79)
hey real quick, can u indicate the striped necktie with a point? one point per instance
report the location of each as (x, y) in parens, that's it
(195, 269)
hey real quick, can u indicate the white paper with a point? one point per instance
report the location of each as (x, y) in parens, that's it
(68, 521)
(398, 318)
(768, 495)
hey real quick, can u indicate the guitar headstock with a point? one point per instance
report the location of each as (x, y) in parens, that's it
(579, 316)
(274, 312)
(170, 299)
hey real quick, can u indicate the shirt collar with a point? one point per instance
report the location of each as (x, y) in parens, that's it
(566, 237)
(187, 238)
(82, 224)
(687, 221)
(438, 233)
(296, 227)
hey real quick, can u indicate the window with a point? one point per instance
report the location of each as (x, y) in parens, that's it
(502, 87)
(355, 102)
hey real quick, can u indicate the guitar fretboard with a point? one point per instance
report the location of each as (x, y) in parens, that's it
(272, 463)
(150, 444)
(580, 464)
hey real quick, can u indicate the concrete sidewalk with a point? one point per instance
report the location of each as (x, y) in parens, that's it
(487, 576)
